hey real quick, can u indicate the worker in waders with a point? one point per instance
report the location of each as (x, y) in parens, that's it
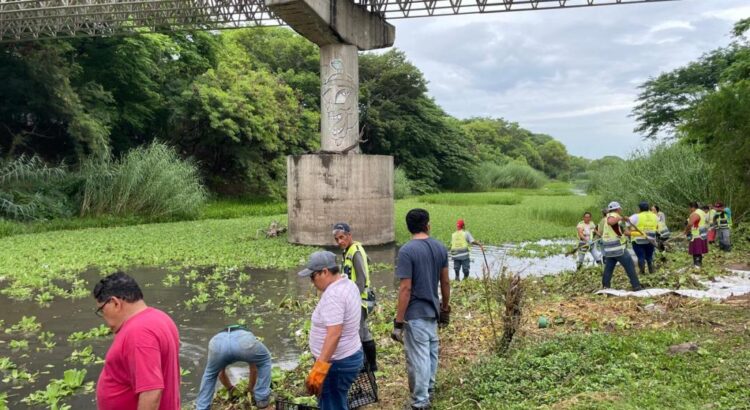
(356, 266)
(461, 241)
(644, 242)
(614, 242)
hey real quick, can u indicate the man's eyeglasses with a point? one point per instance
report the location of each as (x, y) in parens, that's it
(314, 274)
(99, 310)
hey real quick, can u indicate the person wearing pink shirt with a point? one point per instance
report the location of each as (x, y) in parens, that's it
(141, 369)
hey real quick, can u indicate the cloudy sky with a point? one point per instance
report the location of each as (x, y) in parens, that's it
(572, 74)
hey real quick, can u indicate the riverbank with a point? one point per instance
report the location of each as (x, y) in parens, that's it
(595, 352)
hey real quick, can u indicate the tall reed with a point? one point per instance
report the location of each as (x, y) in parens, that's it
(148, 181)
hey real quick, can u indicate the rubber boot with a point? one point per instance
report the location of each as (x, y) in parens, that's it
(651, 268)
(641, 268)
(370, 355)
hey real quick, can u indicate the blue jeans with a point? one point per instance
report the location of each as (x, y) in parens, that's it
(627, 263)
(645, 254)
(341, 375)
(237, 346)
(421, 344)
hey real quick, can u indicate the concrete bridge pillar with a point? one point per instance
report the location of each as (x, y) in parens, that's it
(338, 184)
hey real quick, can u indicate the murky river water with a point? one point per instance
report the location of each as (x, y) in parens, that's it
(64, 317)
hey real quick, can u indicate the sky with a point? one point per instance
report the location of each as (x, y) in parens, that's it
(572, 74)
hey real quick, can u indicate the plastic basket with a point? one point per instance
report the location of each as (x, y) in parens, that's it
(288, 405)
(364, 391)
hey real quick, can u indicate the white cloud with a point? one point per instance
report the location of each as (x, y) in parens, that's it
(573, 74)
(730, 14)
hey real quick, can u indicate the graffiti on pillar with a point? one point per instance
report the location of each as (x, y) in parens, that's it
(340, 102)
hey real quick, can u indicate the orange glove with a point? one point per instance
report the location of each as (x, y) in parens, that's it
(318, 373)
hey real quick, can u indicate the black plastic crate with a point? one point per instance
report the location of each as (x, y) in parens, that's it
(364, 391)
(288, 405)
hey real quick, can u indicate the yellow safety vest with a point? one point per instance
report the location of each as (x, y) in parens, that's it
(612, 244)
(368, 298)
(458, 241)
(702, 230)
(648, 223)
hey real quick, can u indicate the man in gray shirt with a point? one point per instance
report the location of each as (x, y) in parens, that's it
(422, 266)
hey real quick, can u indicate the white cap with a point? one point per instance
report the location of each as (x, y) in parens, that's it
(613, 205)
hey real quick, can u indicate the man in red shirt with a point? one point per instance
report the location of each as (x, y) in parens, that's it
(141, 369)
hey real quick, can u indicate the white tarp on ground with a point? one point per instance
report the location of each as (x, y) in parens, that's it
(720, 288)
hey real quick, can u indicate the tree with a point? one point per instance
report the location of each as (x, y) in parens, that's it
(555, 159)
(399, 119)
(240, 123)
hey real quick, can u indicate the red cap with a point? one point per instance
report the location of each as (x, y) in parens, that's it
(719, 205)
(460, 224)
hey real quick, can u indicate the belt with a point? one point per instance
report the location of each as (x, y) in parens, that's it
(232, 328)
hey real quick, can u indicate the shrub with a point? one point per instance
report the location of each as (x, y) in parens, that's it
(30, 189)
(670, 176)
(148, 181)
(511, 175)
(402, 185)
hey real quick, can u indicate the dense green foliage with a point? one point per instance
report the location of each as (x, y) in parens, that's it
(402, 185)
(670, 176)
(29, 189)
(705, 105)
(237, 103)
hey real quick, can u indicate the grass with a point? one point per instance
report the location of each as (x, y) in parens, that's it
(624, 370)
(535, 217)
(479, 198)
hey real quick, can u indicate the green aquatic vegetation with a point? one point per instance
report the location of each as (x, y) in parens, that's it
(45, 338)
(27, 324)
(171, 280)
(93, 333)
(229, 310)
(18, 344)
(480, 198)
(30, 262)
(259, 321)
(84, 356)
(44, 298)
(6, 364)
(536, 250)
(3, 401)
(19, 376)
(57, 389)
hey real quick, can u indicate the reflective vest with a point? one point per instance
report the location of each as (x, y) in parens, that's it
(723, 219)
(367, 295)
(459, 244)
(612, 243)
(663, 231)
(648, 223)
(702, 230)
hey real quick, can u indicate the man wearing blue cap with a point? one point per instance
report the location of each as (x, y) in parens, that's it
(356, 267)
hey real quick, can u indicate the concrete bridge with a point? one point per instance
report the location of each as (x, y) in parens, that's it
(337, 183)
